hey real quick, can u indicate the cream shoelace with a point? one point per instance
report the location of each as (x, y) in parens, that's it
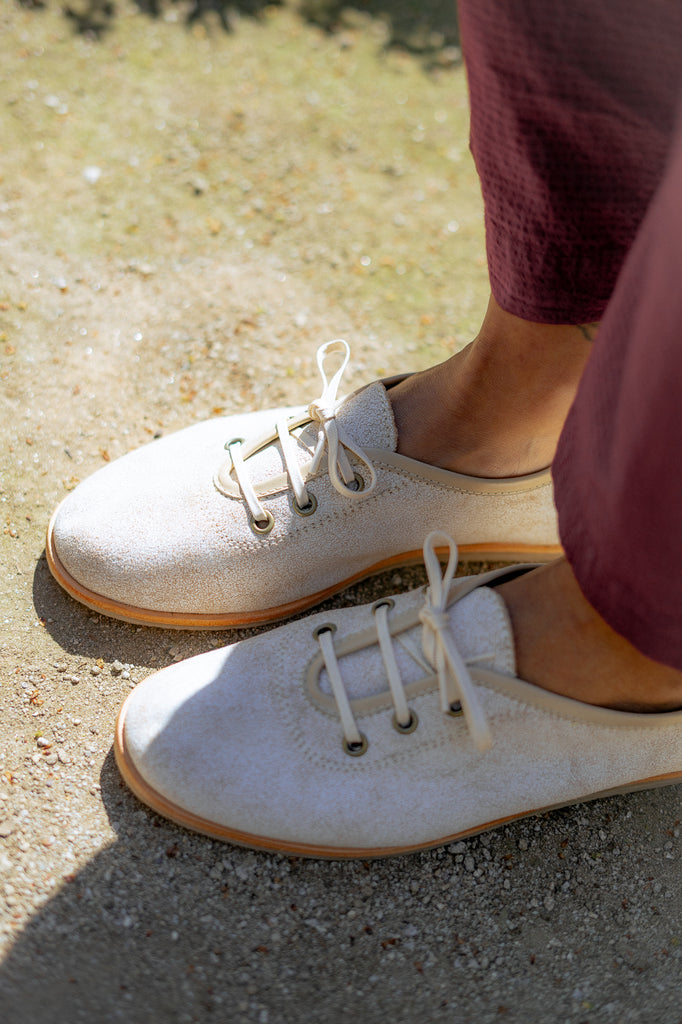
(331, 437)
(457, 690)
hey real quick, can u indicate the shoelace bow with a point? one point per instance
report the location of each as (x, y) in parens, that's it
(331, 437)
(454, 680)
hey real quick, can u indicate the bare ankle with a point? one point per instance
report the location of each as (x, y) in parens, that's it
(497, 407)
(563, 645)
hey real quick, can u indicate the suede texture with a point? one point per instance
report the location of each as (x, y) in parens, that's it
(244, 738)
(165, 528)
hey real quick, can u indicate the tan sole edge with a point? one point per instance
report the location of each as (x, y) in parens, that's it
(234, 620)
(167, 809)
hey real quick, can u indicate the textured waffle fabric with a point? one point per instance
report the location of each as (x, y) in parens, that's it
(572, 108)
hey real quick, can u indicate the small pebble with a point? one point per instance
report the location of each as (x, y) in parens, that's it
(198, 184)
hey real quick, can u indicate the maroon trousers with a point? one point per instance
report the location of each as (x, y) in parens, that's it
(618, 469)
(573, 118)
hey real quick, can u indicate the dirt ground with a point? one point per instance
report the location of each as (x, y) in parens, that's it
(185, 214)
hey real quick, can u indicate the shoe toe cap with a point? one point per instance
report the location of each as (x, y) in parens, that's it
(141, 530)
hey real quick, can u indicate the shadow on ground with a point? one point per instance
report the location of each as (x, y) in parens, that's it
(166, 926)
(425, 27)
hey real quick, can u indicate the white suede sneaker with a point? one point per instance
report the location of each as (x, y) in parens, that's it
(377, 730)
(305, 501)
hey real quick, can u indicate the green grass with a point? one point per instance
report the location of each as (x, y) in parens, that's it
(342, 161)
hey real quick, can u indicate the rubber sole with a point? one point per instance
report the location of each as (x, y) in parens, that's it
(232, 620)
(167, 809)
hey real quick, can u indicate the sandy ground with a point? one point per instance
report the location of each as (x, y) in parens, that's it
(184, 215)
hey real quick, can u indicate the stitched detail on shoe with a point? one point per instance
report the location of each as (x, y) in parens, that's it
(433, 476)
(564, 708)
(321, 521)
(422, 473)
(454, 683)
(518, 697)
(387, 488)
(328, 757)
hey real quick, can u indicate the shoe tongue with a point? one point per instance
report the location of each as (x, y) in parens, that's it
(367, 418)
(481, 628)
(479, 625)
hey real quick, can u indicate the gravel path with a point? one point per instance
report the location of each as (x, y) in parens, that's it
(184, 216)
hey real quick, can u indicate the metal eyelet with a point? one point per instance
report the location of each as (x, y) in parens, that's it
(383, 602)
(409, 727)
(359, 482)
(265, 526)
(455, 709)
(234, 440)
(326, 627)
(355, 749)
(306, 510)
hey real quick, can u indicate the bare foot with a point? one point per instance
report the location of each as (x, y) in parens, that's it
(563, 645)
(496, 408)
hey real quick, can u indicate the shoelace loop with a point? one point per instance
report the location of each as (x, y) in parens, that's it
(331, 437)
(454, 680)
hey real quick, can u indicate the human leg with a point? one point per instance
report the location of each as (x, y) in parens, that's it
(605, 626)
(569, 142)
(325, 731)
(617, 472)
(496, 408)
(572, 110)
(353, 708)
(379, 729)
(171, 537)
